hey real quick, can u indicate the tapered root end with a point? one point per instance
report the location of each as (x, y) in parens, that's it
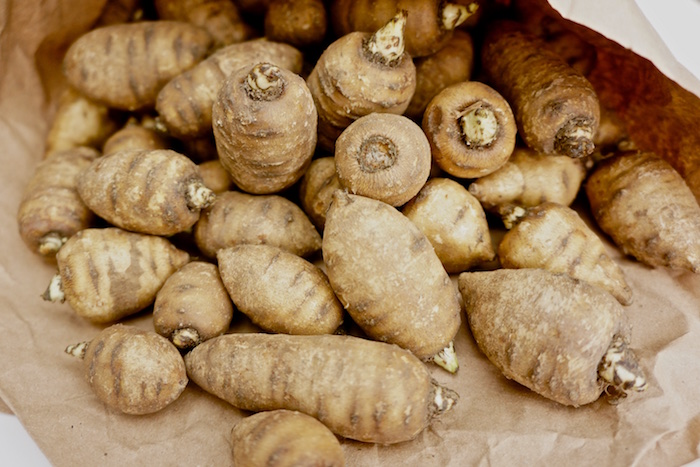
(387, 44)
(50, 243)
(620, 372)
(54, 292)
(199, 196)
(443, 399)
(453, 14)
(447, 358)
(77, 350)
(185, 338)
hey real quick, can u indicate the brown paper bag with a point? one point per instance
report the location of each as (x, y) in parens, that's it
(496, 422)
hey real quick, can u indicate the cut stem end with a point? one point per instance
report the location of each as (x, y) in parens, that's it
(620, 371)
(574, 140)
(479, 126)
(264, 82)
(199, 196)
(443, 400)
(54, 292)
(50, 243)
(447, 358)
(387, 44)
(453, 14)
(77, 350)
(185, 338)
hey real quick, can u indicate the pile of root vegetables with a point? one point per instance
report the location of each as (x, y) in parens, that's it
(356, 178)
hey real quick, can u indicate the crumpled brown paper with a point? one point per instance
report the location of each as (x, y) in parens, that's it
(496, 422)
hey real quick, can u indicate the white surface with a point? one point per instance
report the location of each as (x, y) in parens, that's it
(675, 21)
(16, 446)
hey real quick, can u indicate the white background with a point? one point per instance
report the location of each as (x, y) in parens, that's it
(676, 22)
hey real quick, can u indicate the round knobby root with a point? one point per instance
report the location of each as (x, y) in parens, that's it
(471, 129)
(383, 156)
(134, 371)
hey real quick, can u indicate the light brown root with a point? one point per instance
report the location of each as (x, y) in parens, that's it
(199, 196)
(620, 372)
(575, 139)
(50, 243)
(77, 350)
(264, 82)
(447, 358)
(54, 292)
(387, 44)
(185, 338)
(479, 126)
(443, 399)
(453, 14)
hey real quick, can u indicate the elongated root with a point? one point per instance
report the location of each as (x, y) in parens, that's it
(447, 358)
(185, 338)
(54, 292)
(620, 371)
(199, 196)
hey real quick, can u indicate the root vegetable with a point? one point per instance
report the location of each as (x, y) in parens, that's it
(265, 128)
(215, 176)
(125, 65)
(454, 222)
(316, 189)
(79, 121)
(184, 105)
(192, 306)
(237, 218)
(279, 291)
(363, 390)
(284, 438)
(134, 135)
(383, 156)
(451, 64)
(220, 18)
(647, 209)
(361, 73)
(301, 23)
(387, 276)
(429, 26)
(555, 107)
(471, 129)
(553, 237)
(51, 210)
(106, 274)
(561, 337)
(132, 371)
(157, 192)
(119, 11)
(527, 179)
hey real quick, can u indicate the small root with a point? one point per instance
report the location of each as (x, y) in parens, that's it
(50, 243)
(54, 292)
(185, 338)
(447, 358)
(199, 196)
